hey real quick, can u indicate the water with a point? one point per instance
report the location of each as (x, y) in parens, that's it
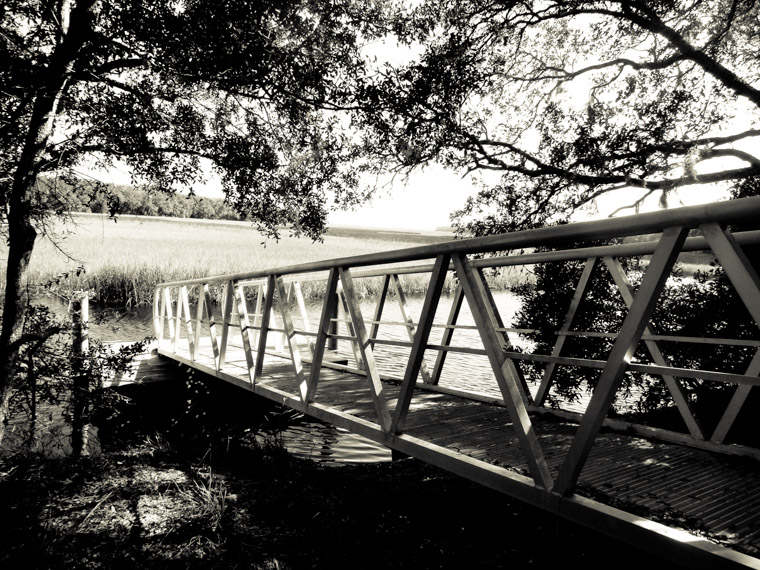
(325, 442)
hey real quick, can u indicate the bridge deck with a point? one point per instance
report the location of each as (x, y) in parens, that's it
(627, 485)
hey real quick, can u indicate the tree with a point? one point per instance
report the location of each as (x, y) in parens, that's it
(568, 101)
(255, 89)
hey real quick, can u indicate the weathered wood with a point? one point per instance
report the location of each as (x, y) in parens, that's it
(184, 302)
(448, 333)
(266, 312)
(375, 384)
(374, 329)
(409, 323)
(290, 336)
(343, 317)
(620, 356)
(228, 296)
(419, 338)
(242, 311)
(580, 291)
(504, 370)
(329, 306)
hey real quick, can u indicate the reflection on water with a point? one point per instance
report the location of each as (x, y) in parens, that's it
(323, 442)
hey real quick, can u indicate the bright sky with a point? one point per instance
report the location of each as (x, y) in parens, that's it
(426, 201)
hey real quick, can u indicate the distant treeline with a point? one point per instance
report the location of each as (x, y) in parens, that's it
(113, 199)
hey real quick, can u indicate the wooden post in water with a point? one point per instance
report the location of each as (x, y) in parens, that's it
(332, 343)
(80, 311)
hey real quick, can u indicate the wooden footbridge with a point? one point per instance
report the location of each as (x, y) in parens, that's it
(686, 495)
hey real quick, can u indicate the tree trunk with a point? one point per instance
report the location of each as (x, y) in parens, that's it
(76, 26)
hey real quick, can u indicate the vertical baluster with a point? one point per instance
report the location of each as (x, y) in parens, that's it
(263, 333)
(228, 296)
(409, 321)
(242, 311)
(357, 322)
(290, 336)
(325, 328)
(419, 338)
(375, 328)
(448, 333)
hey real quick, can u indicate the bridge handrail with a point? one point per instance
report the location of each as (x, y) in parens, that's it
(729, 212)
(671, 228)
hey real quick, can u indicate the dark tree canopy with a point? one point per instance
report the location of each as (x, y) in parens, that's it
(258, 90)
(568, 101)
(252, 87)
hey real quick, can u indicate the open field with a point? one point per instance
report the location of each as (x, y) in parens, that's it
(124, 260)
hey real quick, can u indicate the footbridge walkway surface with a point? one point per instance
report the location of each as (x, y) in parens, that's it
(691, 495)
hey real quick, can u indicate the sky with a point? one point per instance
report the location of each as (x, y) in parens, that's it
(425, 202)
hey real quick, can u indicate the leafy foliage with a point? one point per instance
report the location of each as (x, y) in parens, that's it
(558, 103)
(166, 87)
(704, 304)
(49, 379)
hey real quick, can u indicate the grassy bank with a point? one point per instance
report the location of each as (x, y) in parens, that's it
(206, 490)
(124, 260)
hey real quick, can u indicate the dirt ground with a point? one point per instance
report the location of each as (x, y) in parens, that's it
(211, 492)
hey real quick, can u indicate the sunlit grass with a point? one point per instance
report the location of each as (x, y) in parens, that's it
(123, 261)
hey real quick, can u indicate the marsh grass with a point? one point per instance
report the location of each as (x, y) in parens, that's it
(123, 261)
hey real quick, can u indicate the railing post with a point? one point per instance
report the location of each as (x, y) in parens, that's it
(290, 336)
(374, 329)
(158, 322)
(244, 323)
(332, 343)
(228, 298)
(406, 317)
(264, 332)
(448, 333)
(325, 328)
(506, 372)
(362, 342)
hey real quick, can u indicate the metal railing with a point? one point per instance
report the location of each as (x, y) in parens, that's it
(341, 306)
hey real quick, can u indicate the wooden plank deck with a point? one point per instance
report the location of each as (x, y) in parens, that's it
(638, 489)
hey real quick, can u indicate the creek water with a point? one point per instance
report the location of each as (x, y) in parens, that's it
(324, 442)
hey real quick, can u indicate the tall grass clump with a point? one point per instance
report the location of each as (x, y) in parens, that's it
(120, 263)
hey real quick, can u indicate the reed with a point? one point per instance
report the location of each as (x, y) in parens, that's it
(123, 261)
